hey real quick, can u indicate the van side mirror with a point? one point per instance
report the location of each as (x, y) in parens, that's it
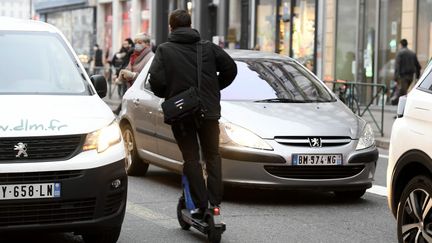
(100, 84)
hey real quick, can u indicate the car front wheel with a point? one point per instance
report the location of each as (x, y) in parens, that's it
(134, 165)
(414, 217)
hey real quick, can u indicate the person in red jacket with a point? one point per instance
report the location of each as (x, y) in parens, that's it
(141, 54)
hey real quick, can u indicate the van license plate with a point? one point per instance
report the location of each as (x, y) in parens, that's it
(316, 159)
(29, 191)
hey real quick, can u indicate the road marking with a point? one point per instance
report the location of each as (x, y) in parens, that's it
(384, 156)
(378, 190)
(150, 215)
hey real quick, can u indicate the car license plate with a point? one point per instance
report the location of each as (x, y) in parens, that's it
(29, 191)
(316, 159)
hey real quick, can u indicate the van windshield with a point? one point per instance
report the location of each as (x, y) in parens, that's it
(38, 63)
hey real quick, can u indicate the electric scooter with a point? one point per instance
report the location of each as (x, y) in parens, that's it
(210, 224)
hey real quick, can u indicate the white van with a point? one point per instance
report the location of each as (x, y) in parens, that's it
(62, 156)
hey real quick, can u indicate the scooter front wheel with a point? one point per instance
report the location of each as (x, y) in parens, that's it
(214, 234)
(180, 206)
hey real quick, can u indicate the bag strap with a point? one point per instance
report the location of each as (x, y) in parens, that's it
(199, 62)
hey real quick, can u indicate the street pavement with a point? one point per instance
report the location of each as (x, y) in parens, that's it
(266, 215)
(251, 215)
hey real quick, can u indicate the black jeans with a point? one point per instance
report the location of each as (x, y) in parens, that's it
(404, 83)
(187, 135)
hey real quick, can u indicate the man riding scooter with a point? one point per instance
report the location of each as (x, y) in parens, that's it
(173, 71)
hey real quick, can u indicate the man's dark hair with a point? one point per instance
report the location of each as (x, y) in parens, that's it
(404, 42)
(179, 18)
(130, 41)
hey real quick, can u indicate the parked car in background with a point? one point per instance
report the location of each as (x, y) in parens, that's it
(280, 127)
(61, 151)
(409, 171)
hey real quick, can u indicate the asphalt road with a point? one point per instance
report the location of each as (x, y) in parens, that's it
(250, 215)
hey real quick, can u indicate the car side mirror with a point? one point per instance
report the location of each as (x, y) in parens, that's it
(100, 84)
(401, 106)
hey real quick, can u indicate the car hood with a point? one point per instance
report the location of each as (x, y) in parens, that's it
(269, 120)
(50, 115)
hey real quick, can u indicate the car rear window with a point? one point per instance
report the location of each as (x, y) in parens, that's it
(276, 80)
(38, 63)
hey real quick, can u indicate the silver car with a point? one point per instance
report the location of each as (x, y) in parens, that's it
(280, 127)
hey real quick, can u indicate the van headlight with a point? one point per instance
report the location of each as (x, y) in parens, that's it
(102, 139)
(241, 136)
(367, 139)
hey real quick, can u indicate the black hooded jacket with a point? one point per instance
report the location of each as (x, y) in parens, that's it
(174, 69)
(406, 64)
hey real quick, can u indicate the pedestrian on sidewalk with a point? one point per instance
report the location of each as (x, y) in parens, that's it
(174, 70)
(119, 61)
(141, 55)
(406, 66)
(96, 62)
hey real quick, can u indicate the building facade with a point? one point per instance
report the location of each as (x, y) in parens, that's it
(118, 20)
(361, 37)
(352, 40)
(76, 19)
(16, 8)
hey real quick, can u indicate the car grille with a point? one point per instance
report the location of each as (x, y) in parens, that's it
(29, 212)
(41, 148)
(314, 172)
(304, 141)
(30, 177)
(113, 203)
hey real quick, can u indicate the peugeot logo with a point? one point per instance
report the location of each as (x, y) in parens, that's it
(22, 150)
(315, 142)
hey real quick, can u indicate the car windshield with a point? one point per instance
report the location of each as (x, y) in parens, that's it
(267, 80)
(38, 63)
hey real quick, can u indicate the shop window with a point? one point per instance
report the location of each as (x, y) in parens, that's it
(345, 39)
(126, 23)
(424, 31)
(145, 16)
(303, 32)
(108, 28)
(389, 36)
(285, 27)
(266, 25)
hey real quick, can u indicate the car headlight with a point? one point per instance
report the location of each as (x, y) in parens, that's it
(241, 136)
(102, 139)
(367, 139)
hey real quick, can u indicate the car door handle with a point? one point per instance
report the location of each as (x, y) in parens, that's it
(136, 101)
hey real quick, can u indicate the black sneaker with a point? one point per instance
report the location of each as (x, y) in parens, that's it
(197, 213)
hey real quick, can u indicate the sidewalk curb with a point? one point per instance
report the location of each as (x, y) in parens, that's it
(113, 104)
(383, 143)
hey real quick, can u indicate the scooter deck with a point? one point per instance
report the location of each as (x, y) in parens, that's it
(199, 224)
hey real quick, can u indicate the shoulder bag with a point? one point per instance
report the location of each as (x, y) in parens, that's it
(186, 103)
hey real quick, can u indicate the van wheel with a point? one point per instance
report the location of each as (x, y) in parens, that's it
(110, 235)
(414, 214)
(134, 165)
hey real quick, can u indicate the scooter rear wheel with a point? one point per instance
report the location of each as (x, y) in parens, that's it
(180, 206)
(214, 234)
